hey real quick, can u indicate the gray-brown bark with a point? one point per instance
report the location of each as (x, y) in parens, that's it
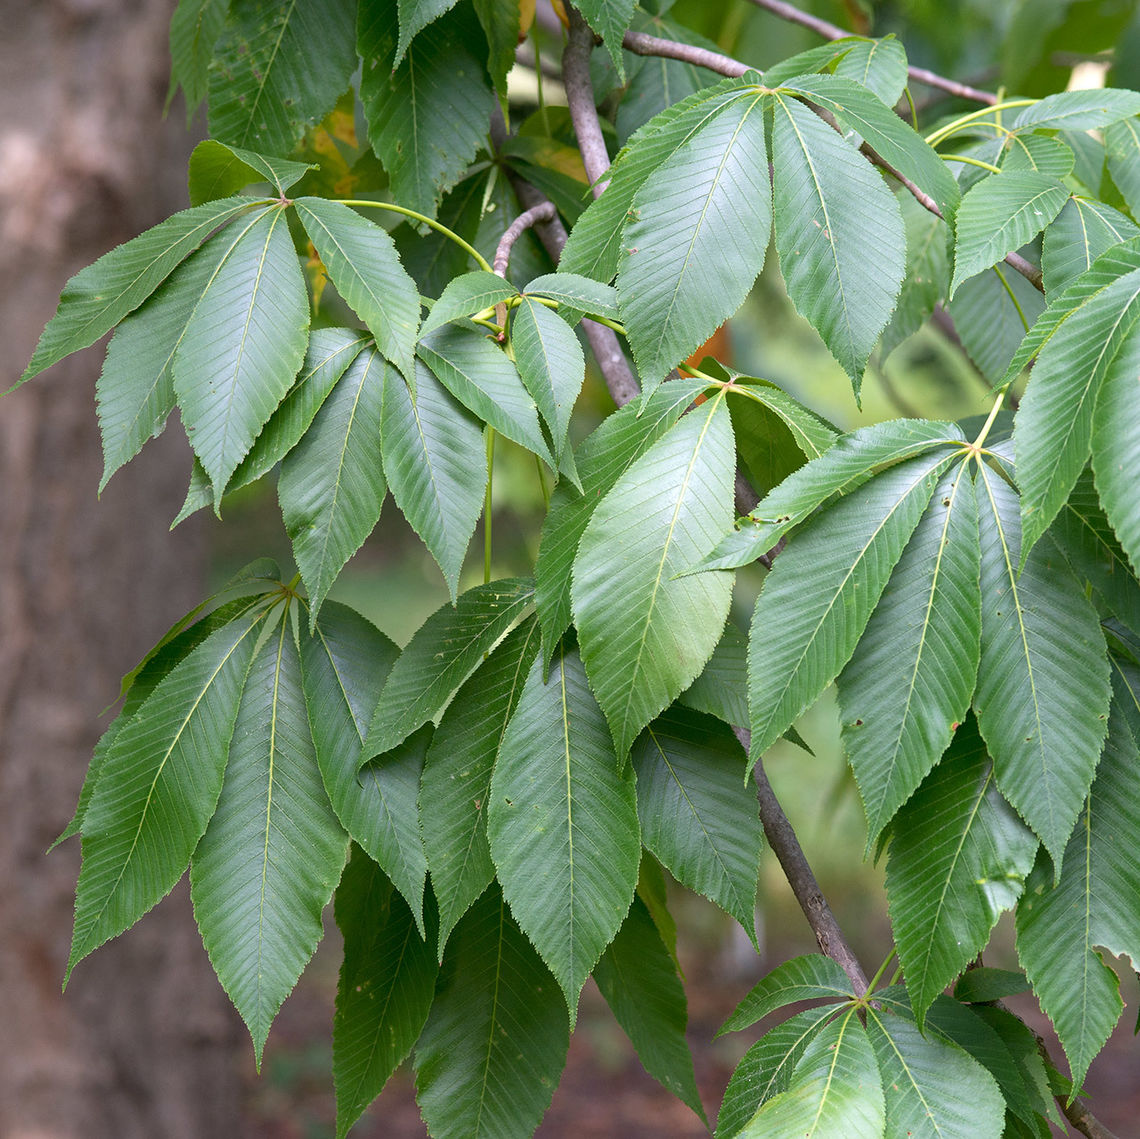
(144, 1042)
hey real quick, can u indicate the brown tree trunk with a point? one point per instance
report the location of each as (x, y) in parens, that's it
(144, 1044)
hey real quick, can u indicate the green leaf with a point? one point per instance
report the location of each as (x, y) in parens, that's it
(595, 243)
(698, 231)
(602, 459)
(959, 856)
(766, 1069)
(842, 468)
(436, 465)
(698, 818)
(933, 1089)
(1059, 924)
(575, 292)
(909, 682)
(449, 645)
(385, 990)
(871, 118)
(485, 380)
(879, 65)
(927, 274)
(465, 296)
(611, 20)
(839, 234)
(217, 171)
(986, 984)
(722, 688)
(495, 1043)
(835, 1092)
(501, 21)
(1041, 153)
(273, 852)
(457, 776)
(645, 633)
(98, 297)
(1083, 110)
(427, 116)
(344, 664)
(1082, 231)
(242, 348)
(1034, 1099)
(332, 485)
(1084, 536)
(278, 70)
(990, 313)
(328, 356)
(1043, 690)
(1122, 154)
(999, 215)
(158, 785)
(1116, 445)
(563, 824)
(820, 58)
(639, 981)
(817, 599)
(362, 263)
(134, 394)
(1053, 430)
(415, 15)
(194, 29)
(809, 978)
(551, 364)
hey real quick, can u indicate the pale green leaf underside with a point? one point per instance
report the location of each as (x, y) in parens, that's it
(1081, 232)
(467, 295)
(1116, 445)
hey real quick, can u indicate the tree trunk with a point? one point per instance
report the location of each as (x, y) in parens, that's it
(144, 1043)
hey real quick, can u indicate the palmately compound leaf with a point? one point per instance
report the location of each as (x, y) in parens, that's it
(243, 347)
(835, 1092)
(1116, 445)
(1081, 232)
(361, 261)
(999, 215)
(698, 817)
(843, 467)
(344, 663)
(494, 1046)
(134, 394)
(602, 459)
(273, 852)
(98, 297)
(1043, 688)
(819, 595)
(839, 234)
(385, 991)
(457, 776)
(436, 466)
(332, 485)
(766, 1069)
(595, 243)
(639, 981)
(562, 823)
(467, 295)
(159, 784)
(809, 978)
(959, 857)
(698, 231)
(1060, 923)
(278, 70)
(645, 633)
(909, 682)
(933, 1089)
(428, 116)
(1053, 430)
(449, 645)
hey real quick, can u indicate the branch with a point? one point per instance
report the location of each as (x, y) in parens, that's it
(1084, 1120)
(833, 32)
(580, 98)
(641, 44)
(543, 211)
(782, 839)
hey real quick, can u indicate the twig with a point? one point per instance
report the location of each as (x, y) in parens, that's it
(831, 31)
(543, 211)
(641, 44)
(580, 98)
(786, 846)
